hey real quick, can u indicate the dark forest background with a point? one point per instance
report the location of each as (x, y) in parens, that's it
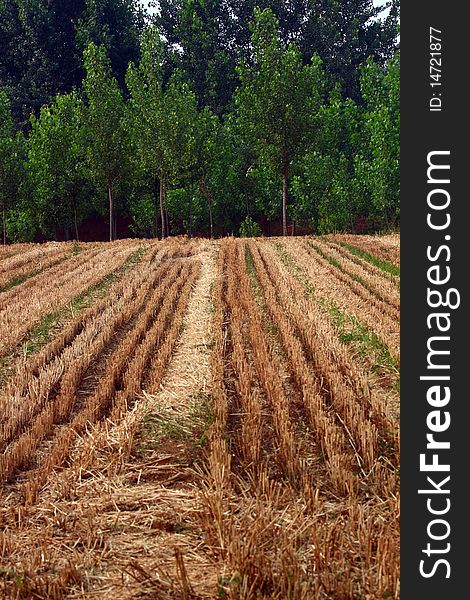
(209, 117)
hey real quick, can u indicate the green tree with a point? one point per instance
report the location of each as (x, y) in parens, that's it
(323, 185)
(7, 157)
(116, 25)
(278, 99)
(55, 163)
(104, 136)
(38, 51)
(162, 122)
(344, 33)
(11, 163)
(198, 35)
(378, 165)
(42, 44)
(145, 115)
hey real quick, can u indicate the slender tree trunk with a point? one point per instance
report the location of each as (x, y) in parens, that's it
(75, 219)
(190, 226)
(209, 202)
(284, 202)
(155, 202)
(167, 225)
(315, 217)
(162, 215)
(111, 212)
(4, 221)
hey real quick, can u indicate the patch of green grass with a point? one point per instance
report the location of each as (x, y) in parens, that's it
(253, 275)
(76, 249)
(384, 265)
(351, 331)
(162, 424)
(249, 263)
(14, 281)
(353, 276)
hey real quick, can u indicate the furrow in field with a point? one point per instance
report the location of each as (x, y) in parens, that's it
(51, 396)
(252, 422)
(374, 267)
(290, 459)
(21, 266)
(9, 250)
(378, 288)
(330, 284)
(110, 394)
(386, 248)
(52, 290)
(36, 385)
(362, 413)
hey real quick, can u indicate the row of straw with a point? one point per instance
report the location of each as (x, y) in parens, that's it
(383, 247)
(52, 290)
(24, 394)
(101, 402)
(355, 279)
(313, 323)
(37, 412)
(274, 544)
(372, 278)
(331, 438)
(365, 422)
(330, 284)
(364, 263)
(37, 259)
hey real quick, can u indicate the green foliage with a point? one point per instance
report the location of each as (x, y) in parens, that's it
(197, 122)
(103, 114)
(55, 164)
(378, 166)
(114, 25)
(249, 228)
(7, 155)
(104, 139)
(13, 184)
(279, 97)
(21, 224)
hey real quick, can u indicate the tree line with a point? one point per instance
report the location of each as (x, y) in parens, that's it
(210, 117)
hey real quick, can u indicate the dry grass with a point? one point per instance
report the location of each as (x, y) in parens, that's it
(201, 430)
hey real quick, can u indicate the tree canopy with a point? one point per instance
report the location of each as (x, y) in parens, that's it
(209, 117)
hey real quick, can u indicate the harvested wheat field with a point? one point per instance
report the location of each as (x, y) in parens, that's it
(200, 419)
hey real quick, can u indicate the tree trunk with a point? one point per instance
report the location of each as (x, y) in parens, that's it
(167, 225)
(111, 215)
(190, 226)
(315, 217)
(75, 220)
(209, 202)
(155, 203)
(4, 219)
(284, 202)
(162, 214)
